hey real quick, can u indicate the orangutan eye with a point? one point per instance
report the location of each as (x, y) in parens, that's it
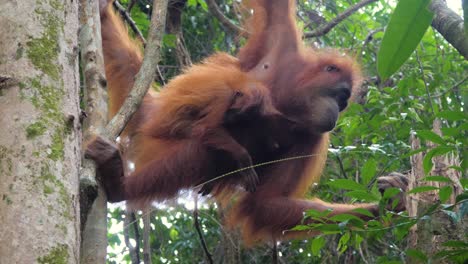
(238, 94)
(266, 66)
(332, 68)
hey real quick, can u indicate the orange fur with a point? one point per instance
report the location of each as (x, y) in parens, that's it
(177, 135)
(170, 130)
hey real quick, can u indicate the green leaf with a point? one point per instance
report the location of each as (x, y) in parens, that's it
(407, 26)
(455, 244)
(421, 189)
(427, 163)
(317, 214)
(346, 184)
(461, 197)
(391, 192)
(444, 193)
(431, 136)
(358, 240)
(464, 182)
(453, 215)
(362, 195)
(343, 243)
(192, 2)
(452, 115)
(438, 151)
(437, 179)
(173, 234)
(368, 171)
(416, 254)
(344, 217)
(363, 212)
(317, 245)
(203, 4)
(170, 40)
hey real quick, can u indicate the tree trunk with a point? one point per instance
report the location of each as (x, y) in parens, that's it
(93, 209)
(429, 234)
(40, 132)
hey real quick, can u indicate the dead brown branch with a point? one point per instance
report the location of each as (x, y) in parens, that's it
(324, 29)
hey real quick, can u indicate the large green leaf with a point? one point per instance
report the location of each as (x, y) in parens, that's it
(346, 184)
(407, 26)
(368, 170)
(317, 244)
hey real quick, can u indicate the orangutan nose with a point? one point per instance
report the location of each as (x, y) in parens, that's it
(342, 93)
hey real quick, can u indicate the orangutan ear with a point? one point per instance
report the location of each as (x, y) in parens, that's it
(273, 32)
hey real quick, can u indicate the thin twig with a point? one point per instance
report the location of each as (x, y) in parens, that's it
(453, 88)
(215, 11)
(134, 251)
(274, 253)
(340, 163)
(200, 234)
(136, 231)
(146, 75)
(130, 5)
(146, 236)
(322, 30)
(370, 35)
(421, 68)
(125, 14)
(255, 166)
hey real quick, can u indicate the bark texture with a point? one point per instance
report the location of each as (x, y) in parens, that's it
(449, 25)
(93, 209)
(429, 235)
(40, 132)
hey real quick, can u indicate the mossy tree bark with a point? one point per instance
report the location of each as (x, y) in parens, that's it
(39, 132)
(93, 201)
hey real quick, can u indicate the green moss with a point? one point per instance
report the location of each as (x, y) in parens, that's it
(57, 255)
(51, 185)
(7, 199)
(48, 189)
(56, 4)
(19, 52)
(57, 146)
(47, 99)
(43, 51)
(35, 129)
(63, 228)
(6, 163)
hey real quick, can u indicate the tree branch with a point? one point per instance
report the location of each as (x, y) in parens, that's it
(147, 72)
(134, 251)
(124, 13)
(174, 26)
(130, 5)
(450, 26)
(196, 223)
(92, 199)
(322, 30)
(146, 236)
(215, 11)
